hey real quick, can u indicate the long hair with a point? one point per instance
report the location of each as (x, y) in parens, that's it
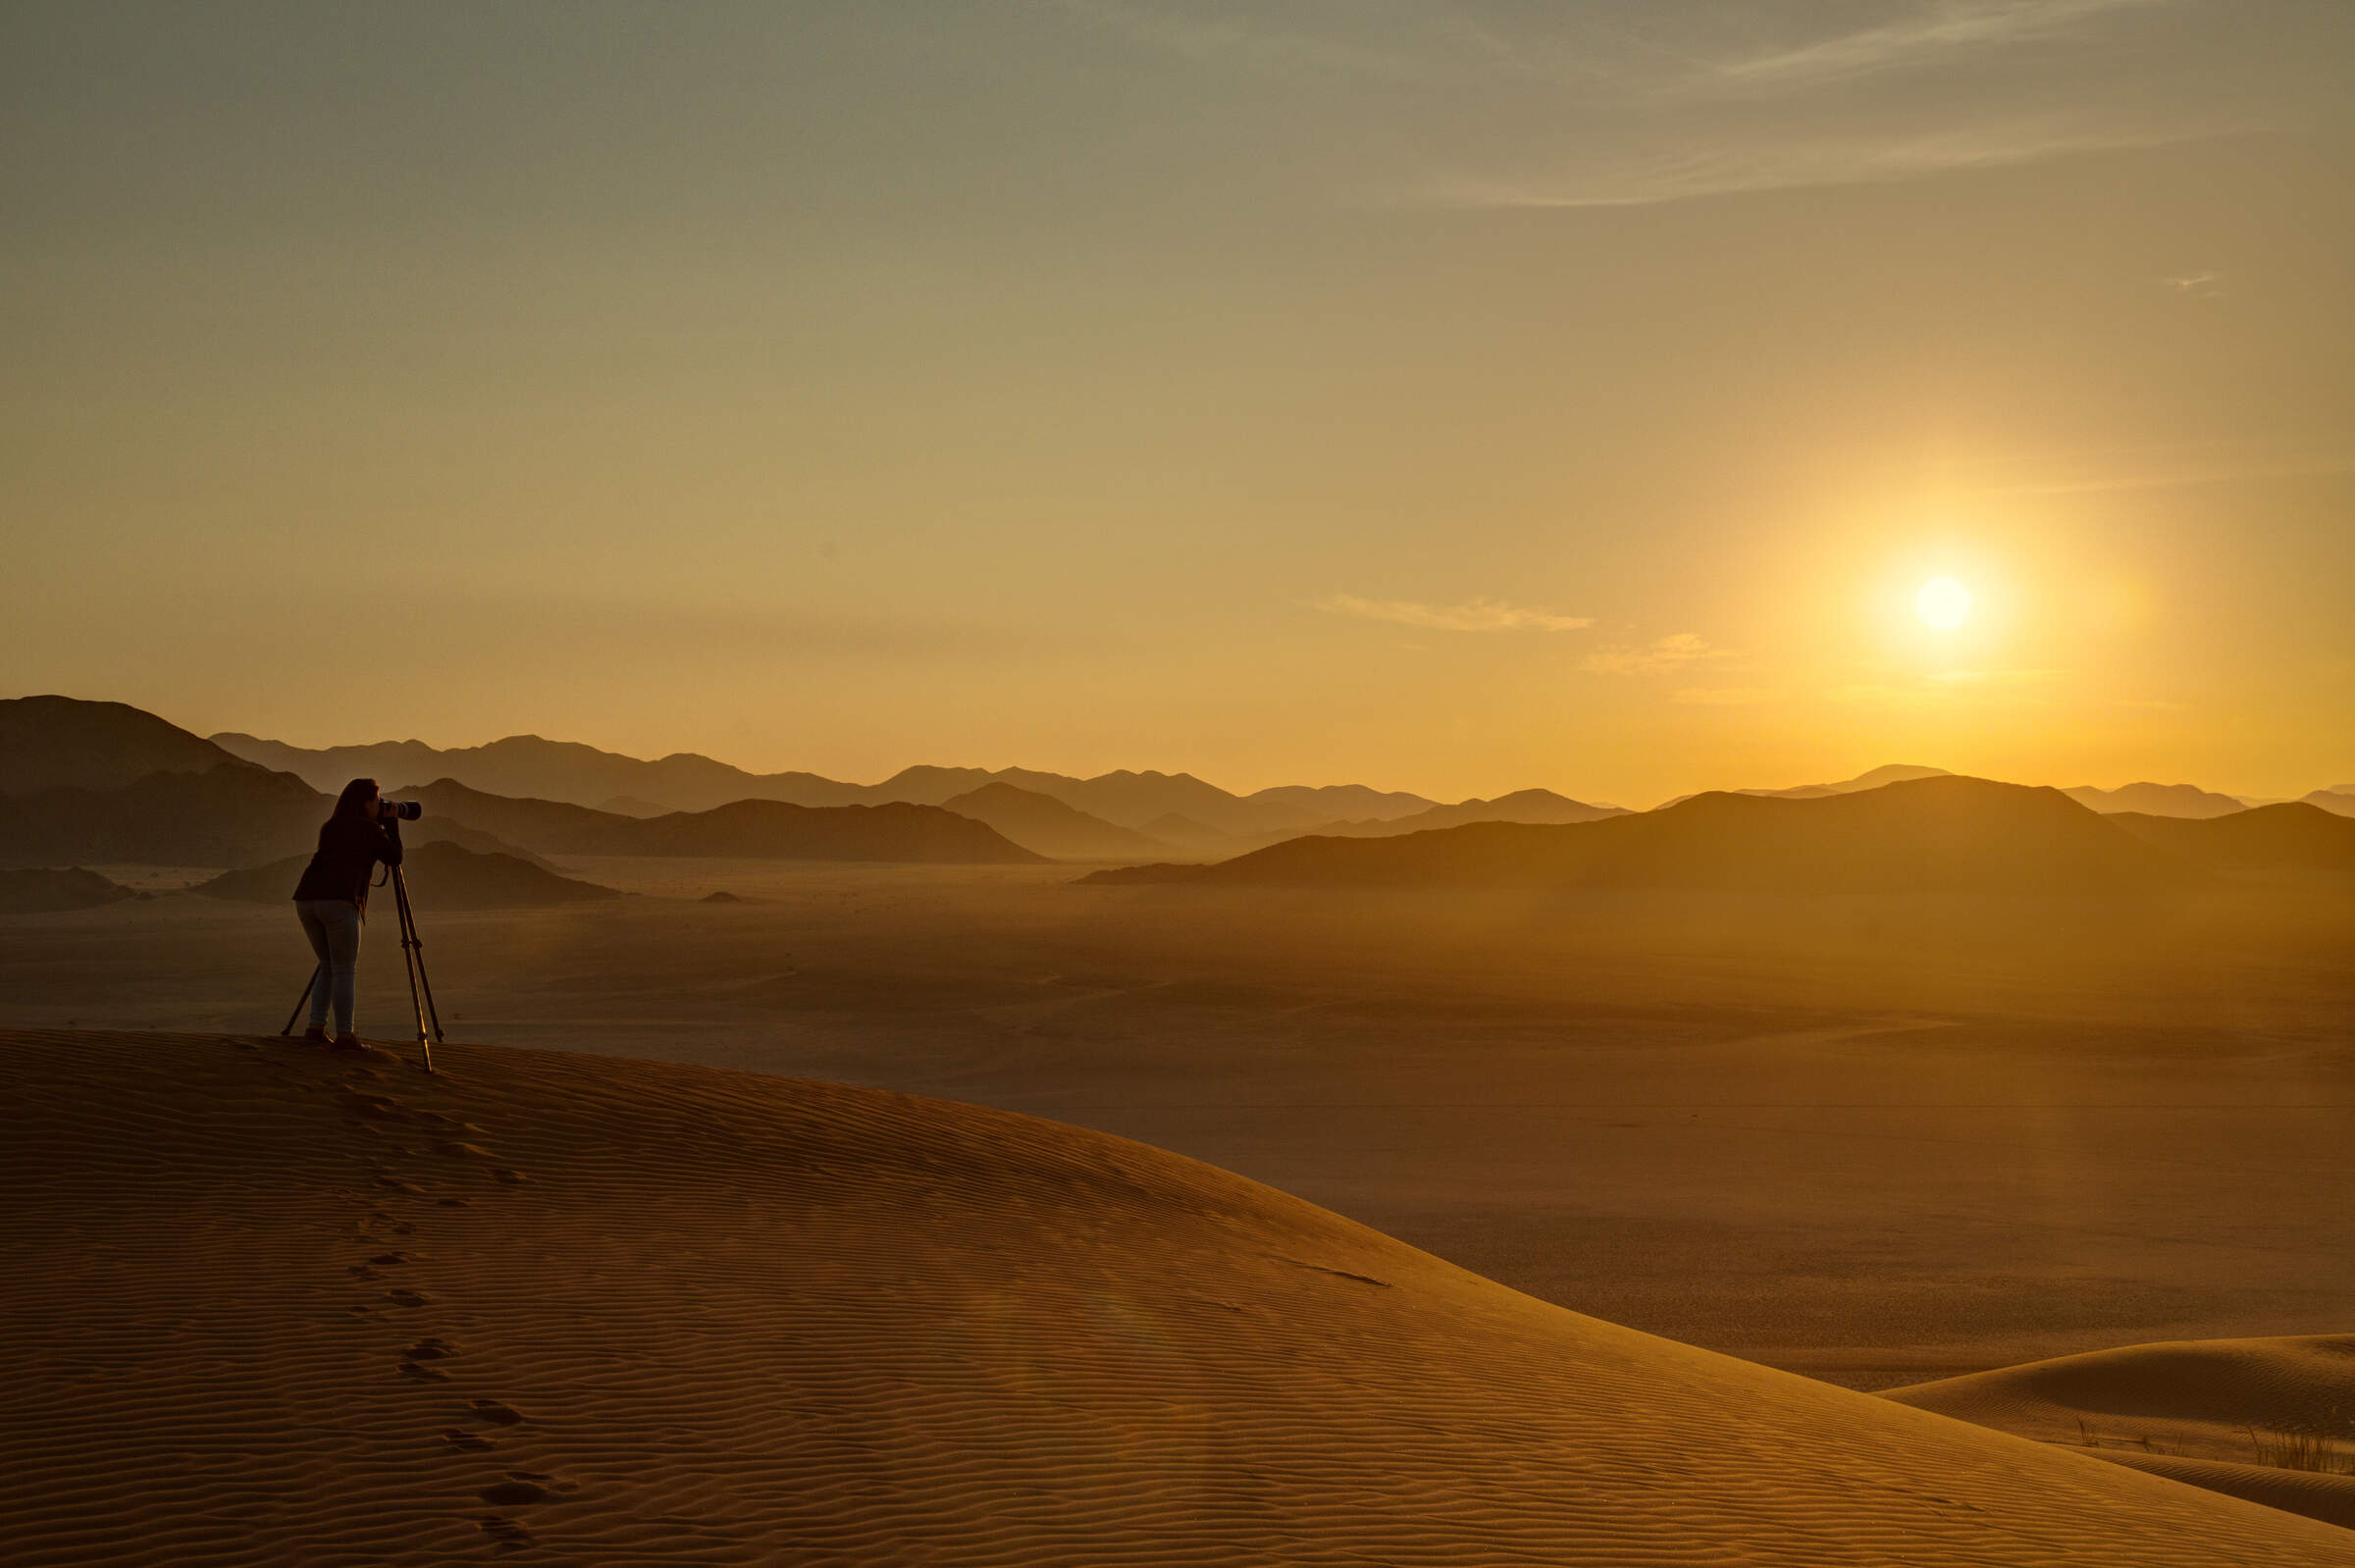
(353, 802)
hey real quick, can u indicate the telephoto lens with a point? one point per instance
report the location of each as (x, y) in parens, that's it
(400, 811)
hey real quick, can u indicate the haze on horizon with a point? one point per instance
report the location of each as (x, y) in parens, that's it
(1450, 398)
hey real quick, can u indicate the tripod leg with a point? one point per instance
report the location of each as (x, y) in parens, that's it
(307, 987)
(412, 953)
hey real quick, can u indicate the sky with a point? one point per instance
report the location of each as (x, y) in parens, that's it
(1454, 397)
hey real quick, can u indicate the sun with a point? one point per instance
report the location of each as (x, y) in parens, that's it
(1943, 603)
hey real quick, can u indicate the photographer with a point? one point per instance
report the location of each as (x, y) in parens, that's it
(333, 899)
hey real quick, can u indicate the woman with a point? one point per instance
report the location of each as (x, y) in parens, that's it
(333, 899)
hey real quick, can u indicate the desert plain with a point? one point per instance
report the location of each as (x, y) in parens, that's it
(664, 1265)
(1875, 1140)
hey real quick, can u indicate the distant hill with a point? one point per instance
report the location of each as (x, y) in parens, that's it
(1337, 803)
(741, 829)
(220, 810)
(1940, 834)
(530, 767)
(1172, 828)
(441, 876)
(2337, 802)
(2289, 842)
(1875, 778)
(231, 815)
(1521, 805)
(2157, 800)
(53, 891)
(1045, 825)
(632, 805)
(51, 743)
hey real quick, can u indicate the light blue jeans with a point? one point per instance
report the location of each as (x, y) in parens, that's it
(333, 927)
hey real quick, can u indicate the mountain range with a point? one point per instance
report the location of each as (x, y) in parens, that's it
(1944, 833)
(102, 783)
(898, 831)
(527, 767)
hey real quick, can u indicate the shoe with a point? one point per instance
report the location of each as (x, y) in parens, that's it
(350, 1042)
(314, 1035)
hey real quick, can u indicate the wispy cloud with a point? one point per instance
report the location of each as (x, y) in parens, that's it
(1933, 34)
(1478, 615)
(1667, 654)
(1788, 162)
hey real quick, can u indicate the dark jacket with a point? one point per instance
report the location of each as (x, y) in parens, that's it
(350, 848)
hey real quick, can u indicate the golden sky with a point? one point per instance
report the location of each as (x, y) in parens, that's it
(1453, 398)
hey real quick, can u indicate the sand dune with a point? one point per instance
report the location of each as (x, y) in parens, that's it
(2217, 1413)
(272, 1305)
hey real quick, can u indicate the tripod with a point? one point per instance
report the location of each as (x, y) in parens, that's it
(412, 955)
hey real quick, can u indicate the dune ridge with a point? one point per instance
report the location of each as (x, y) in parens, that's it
(2190, 1409)
(276, 1305)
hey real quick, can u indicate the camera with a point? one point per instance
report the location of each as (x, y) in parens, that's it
(398, 810)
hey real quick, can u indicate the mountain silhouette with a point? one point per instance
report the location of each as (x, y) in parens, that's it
(741, 829)
(441, 876)
(51, 743)
(529, 767)
(1337, 803)
(2289, 842)
(236, 814)
(1173, 827)
(2157, 800)
(526, 766)
(1045, 825)
(1521, 805)
(632, 805)
(2337, 802)
(1945, 833)
(1871, 780)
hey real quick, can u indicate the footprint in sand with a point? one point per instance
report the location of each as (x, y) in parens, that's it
(407, 1298)
(361, 1271)
(433, 1347)
(513, 1178)
(417, 1373)
(471, 1441)
(498, 1414)
(524, 1486)
(511, 1535)
(386, 1259)
(513, 1493)
(396, 1184)
(451, 1203)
